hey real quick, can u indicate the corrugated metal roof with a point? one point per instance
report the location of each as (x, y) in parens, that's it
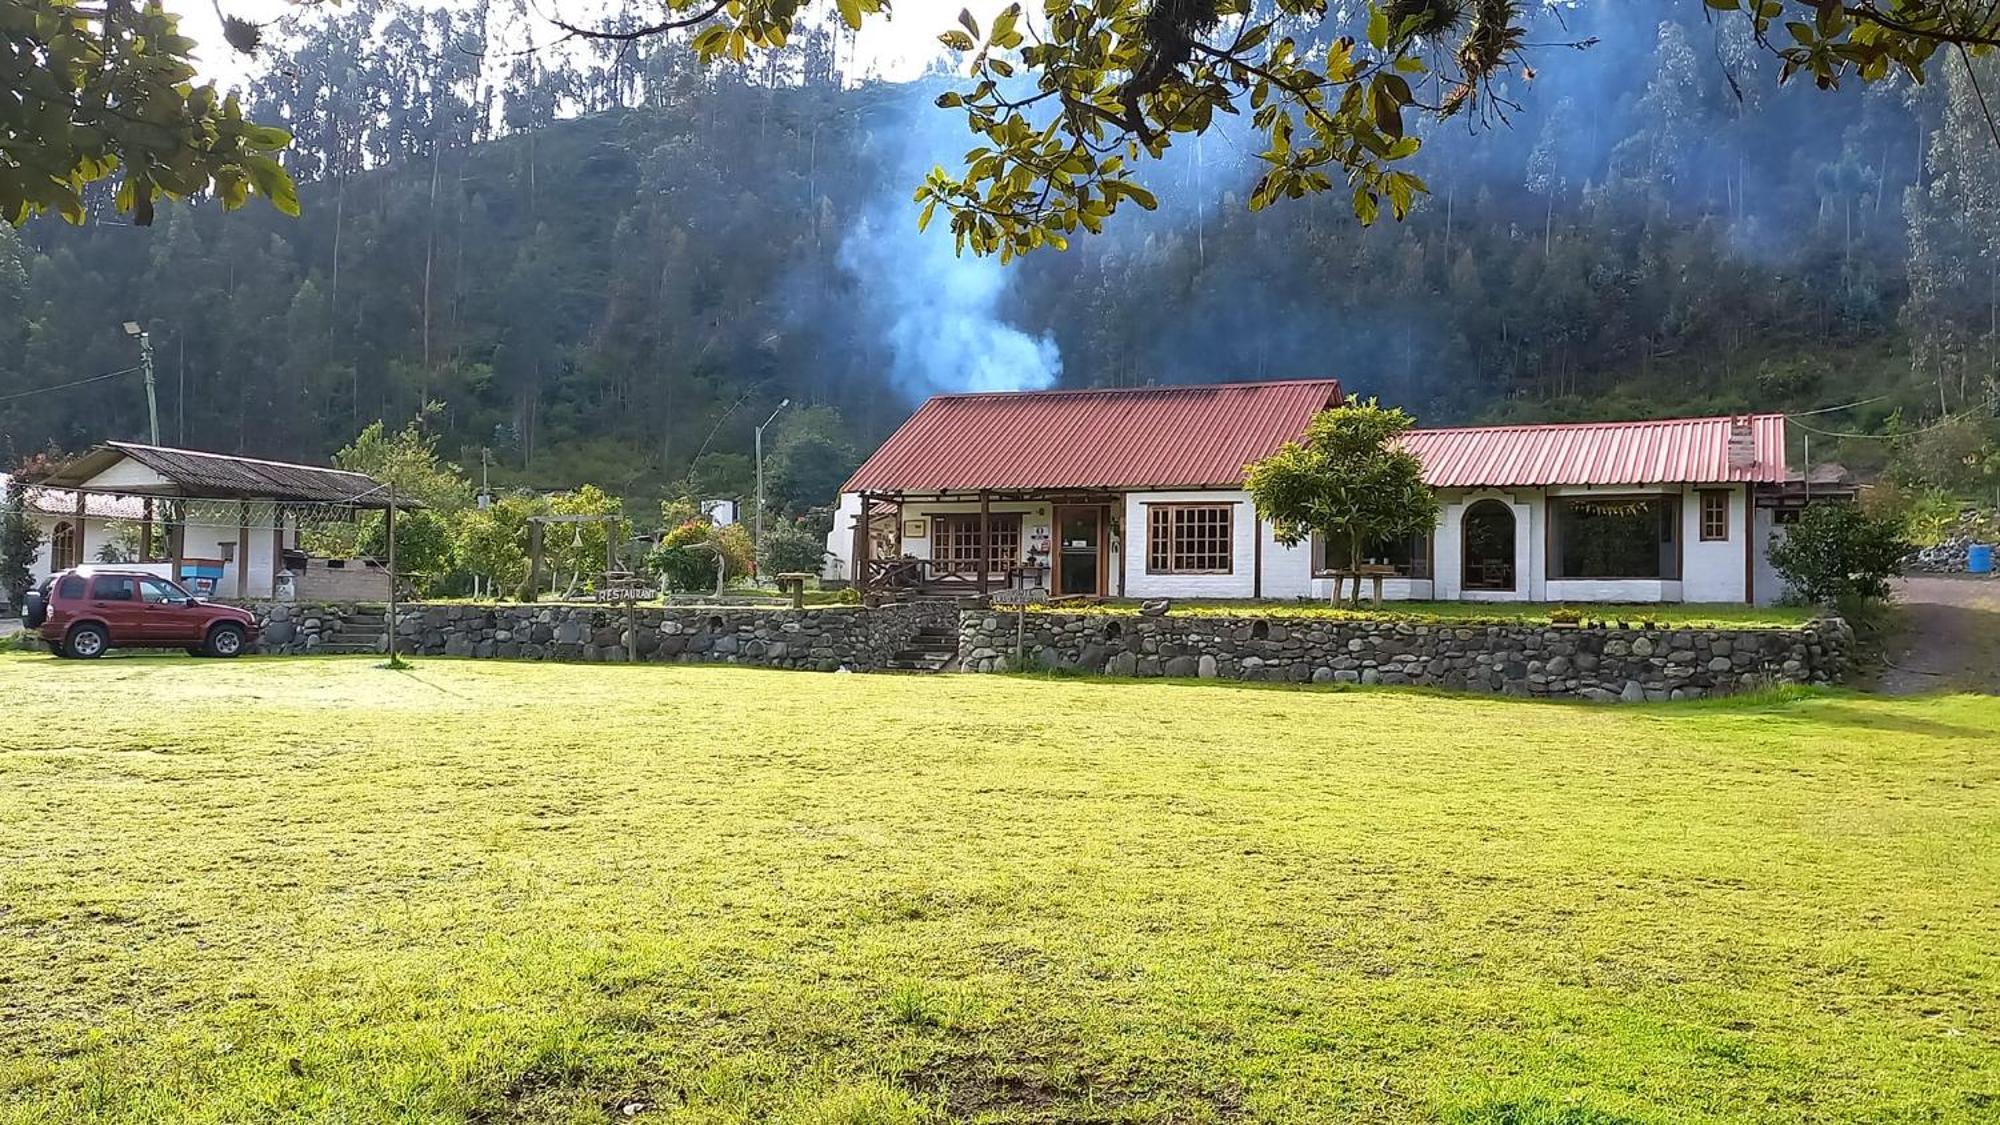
(1685, 450)
(218, 475)
(1138, 437)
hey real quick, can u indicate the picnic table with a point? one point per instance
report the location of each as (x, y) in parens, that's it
(1374, 572)
(793, 584)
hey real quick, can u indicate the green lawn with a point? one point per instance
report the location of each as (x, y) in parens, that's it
(1668, 614)
(315, 890)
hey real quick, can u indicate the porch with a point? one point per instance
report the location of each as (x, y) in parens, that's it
(1063, 543)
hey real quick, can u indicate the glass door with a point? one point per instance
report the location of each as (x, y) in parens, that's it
(1079, 551)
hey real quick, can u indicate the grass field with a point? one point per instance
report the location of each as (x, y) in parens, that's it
(314, 890)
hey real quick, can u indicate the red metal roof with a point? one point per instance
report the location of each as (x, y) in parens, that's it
(1136, 437)
(1683, 450)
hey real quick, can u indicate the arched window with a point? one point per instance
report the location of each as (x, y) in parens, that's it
(1489, 546)
(64, 550)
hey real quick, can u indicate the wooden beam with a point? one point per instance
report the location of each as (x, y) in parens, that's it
(1749, 546)
(985, 540)
(146, 532)
(78, 540)
(1257, 555)
(242, 549)
(864, 540)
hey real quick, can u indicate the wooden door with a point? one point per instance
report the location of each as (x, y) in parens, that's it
(1079, 554)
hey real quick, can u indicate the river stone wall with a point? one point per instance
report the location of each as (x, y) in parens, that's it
(1604, 664)
(825, 638)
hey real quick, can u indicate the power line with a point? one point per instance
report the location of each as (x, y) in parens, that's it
(1832, 409)
(66, 386)
(1939, 424)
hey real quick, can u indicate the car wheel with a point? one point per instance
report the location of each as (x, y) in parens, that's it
(225, 640)
(87, 642)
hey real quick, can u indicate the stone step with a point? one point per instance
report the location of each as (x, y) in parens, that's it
(349, 648)
(915, 661)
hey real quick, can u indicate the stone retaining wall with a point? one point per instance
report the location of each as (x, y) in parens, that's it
(825, 638)
(1515, 659)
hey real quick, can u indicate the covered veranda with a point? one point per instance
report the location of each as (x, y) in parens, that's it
(971, 543)
(223, 525)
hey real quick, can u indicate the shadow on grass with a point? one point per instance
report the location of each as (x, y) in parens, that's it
(1886, 720)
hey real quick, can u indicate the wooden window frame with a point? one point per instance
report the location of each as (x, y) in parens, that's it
(1718, 530)
(957, 534)
(65, 546)
(1168, 559)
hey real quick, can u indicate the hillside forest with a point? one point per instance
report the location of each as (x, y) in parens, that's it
(607, 264)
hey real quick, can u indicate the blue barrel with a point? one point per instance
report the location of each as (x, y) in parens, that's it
(1979, 558)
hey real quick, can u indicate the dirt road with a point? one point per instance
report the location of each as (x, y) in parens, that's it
(1950, 639)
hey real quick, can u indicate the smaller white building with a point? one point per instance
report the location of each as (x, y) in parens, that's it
(1139, 493)
(219, 524)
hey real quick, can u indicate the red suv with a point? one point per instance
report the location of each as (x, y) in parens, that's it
(84, 611)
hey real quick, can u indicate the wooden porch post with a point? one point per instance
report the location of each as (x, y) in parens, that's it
(864, 541)
(1749, 544)
(146, 532)
(76, 534)
(242, 548)
(1257, 557)
(985, 540)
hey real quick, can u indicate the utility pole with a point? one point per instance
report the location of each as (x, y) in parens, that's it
(757, 529)
(145, 339)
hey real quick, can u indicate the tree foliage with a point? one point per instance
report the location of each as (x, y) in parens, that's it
(1597, 261)
(1067, 103)
(491, 543)
(686, 559)
(20, 539)
(792, 546)
(1838, 551)
(105, 92)
(1346, 479)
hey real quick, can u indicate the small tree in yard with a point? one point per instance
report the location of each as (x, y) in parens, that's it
(791, 547)
(1347, 480)
(20, 541)
(1837, 553)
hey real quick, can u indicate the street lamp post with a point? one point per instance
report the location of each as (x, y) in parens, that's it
(757, 528)
(145, 339)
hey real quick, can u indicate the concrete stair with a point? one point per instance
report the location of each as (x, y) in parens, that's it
(930, 650)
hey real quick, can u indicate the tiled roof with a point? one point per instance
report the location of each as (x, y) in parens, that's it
(1138, 437)
(62, 502)
(1677, 450)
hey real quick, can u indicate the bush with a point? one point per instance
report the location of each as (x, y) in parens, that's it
(685, 558)
(1837, 552)
(791, 547)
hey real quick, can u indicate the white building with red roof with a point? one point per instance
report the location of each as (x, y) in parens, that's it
(1138, 492)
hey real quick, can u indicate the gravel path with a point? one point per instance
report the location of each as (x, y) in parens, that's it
(1950, 639)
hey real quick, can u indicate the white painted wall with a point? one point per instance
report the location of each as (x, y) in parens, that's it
(1770, 586)
(1710, 571)
(1449, 552)
(1713, 571)
(1238, 583)
(128, 473)
(840, 541)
